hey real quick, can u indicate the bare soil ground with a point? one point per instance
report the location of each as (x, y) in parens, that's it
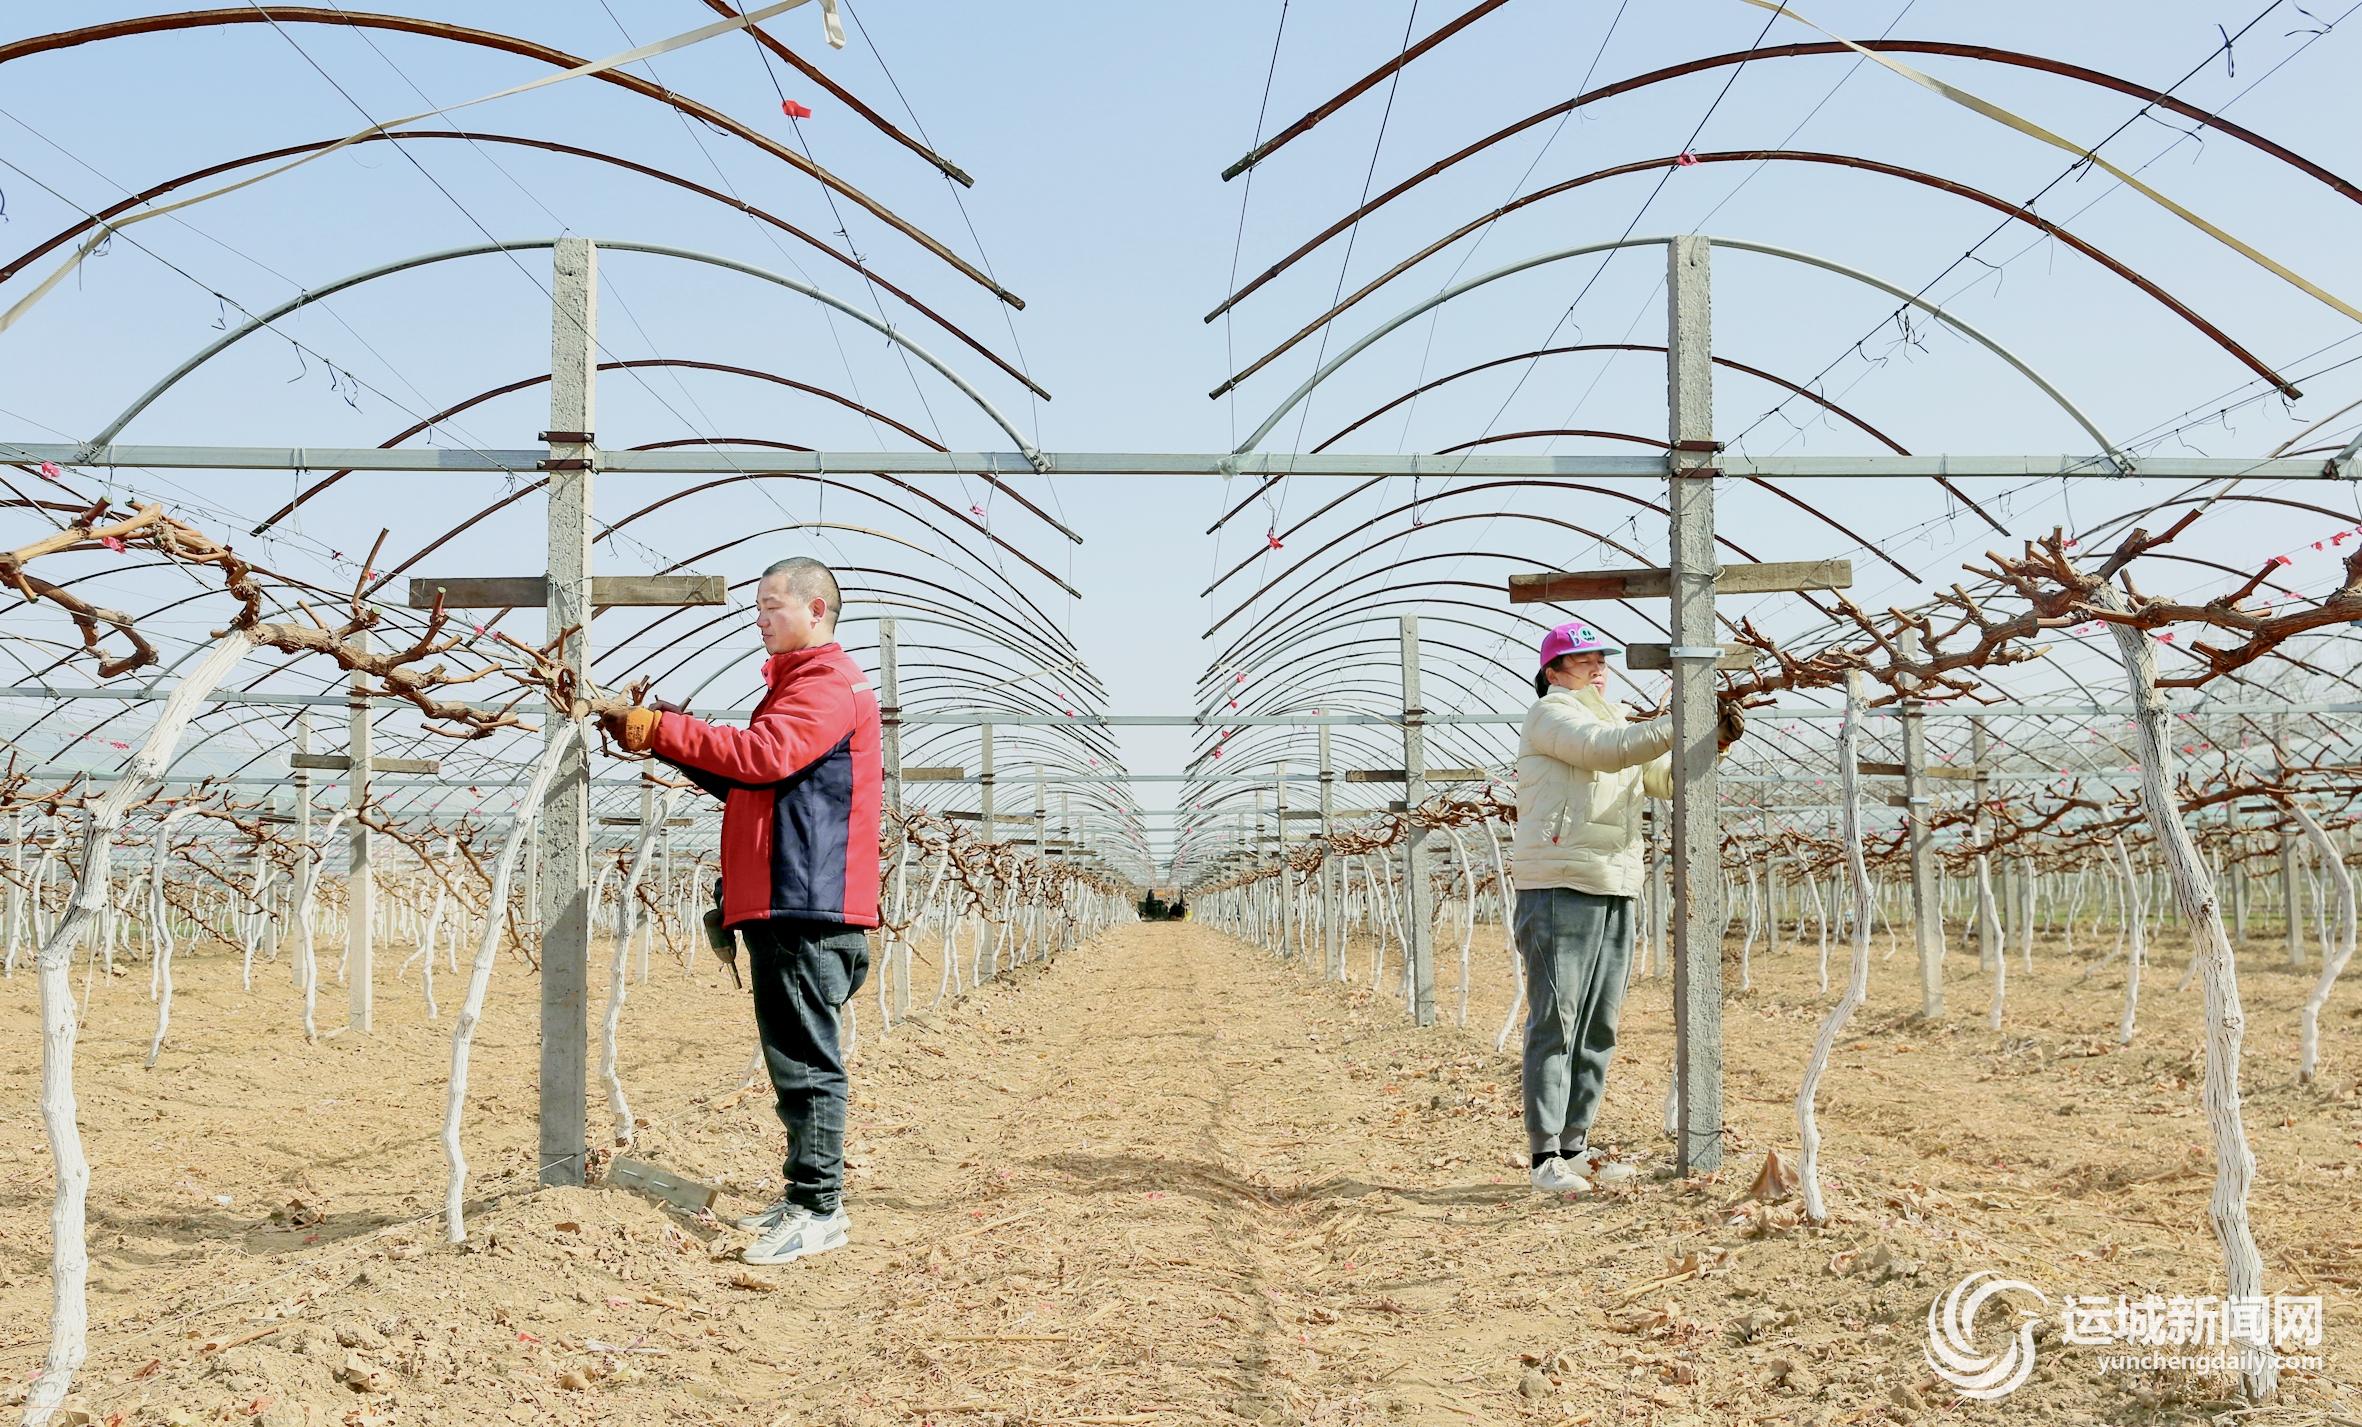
(1167, 1179)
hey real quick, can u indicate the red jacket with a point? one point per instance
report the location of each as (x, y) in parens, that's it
(801, 786)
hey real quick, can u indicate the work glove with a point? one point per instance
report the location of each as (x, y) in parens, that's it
(1730, 725)
(632, 729)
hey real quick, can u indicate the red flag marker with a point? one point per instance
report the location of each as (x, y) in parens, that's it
(1271, 538)
(114, 543)
(49, 470)
(794, 110)
(1687, 159)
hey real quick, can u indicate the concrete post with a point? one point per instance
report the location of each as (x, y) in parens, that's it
(16, 890)
(984, 783)
(1287, 896)
(563, 833)
(1418, 926)
(1697, 792)
(1041, 843)
(1332, 872)
(1069, 932)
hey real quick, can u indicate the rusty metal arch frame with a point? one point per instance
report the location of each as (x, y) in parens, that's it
(1298, 615)
(1368, 339)
(940, 659)
(2123, 519)
(1202, 774)
(1475, 662)
(1369, 525)
(1024, 738)
(929, 615)
(512, 497)
(1342, 601)
(1729, 363)
(1295, 682)
(147, 195)
(416, 261)
(1205, 761)
(894, 600)
(641, 364)
(2009, 210)
(899, 483)
(1366, 604)
(1412, 505)
(1985, 53)
(1047, 650)
(1044, 753)
(728, 10)
(524, 49)
(1298, 690)
(966, 523)
(1052, 638)
(1834, 524)
(1378, 606)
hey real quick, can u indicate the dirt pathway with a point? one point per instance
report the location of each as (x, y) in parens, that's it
(1165, 1180)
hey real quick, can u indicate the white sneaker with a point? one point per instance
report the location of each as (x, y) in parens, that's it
(799, 1234)
(1601, 1169)
(767, 1217)
(1559, 1176)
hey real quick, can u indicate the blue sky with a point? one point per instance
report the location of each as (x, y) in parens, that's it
(1097, 134)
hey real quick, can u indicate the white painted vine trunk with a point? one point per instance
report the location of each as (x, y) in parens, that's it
(2226, 1023)
(463, 1034)
(160, 934)
(627, 926)
(1509, 939)
(69, 1256)
(2334, 955)
(2136, 950)
(1857, 982)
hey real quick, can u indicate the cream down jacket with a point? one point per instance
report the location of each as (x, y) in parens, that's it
(1582, 771)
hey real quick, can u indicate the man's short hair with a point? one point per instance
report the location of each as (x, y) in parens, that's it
(808, 579)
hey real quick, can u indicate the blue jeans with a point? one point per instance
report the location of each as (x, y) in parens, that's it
(803, 973)
(1577, 949)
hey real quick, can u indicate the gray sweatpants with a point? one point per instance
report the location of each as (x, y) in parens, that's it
(1577, 949)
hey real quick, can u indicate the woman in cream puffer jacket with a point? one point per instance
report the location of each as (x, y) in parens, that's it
(1582, 771)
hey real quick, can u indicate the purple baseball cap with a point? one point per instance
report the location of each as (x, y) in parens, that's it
(1574, 637)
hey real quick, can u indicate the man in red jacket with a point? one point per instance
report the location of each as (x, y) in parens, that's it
(801, 787)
